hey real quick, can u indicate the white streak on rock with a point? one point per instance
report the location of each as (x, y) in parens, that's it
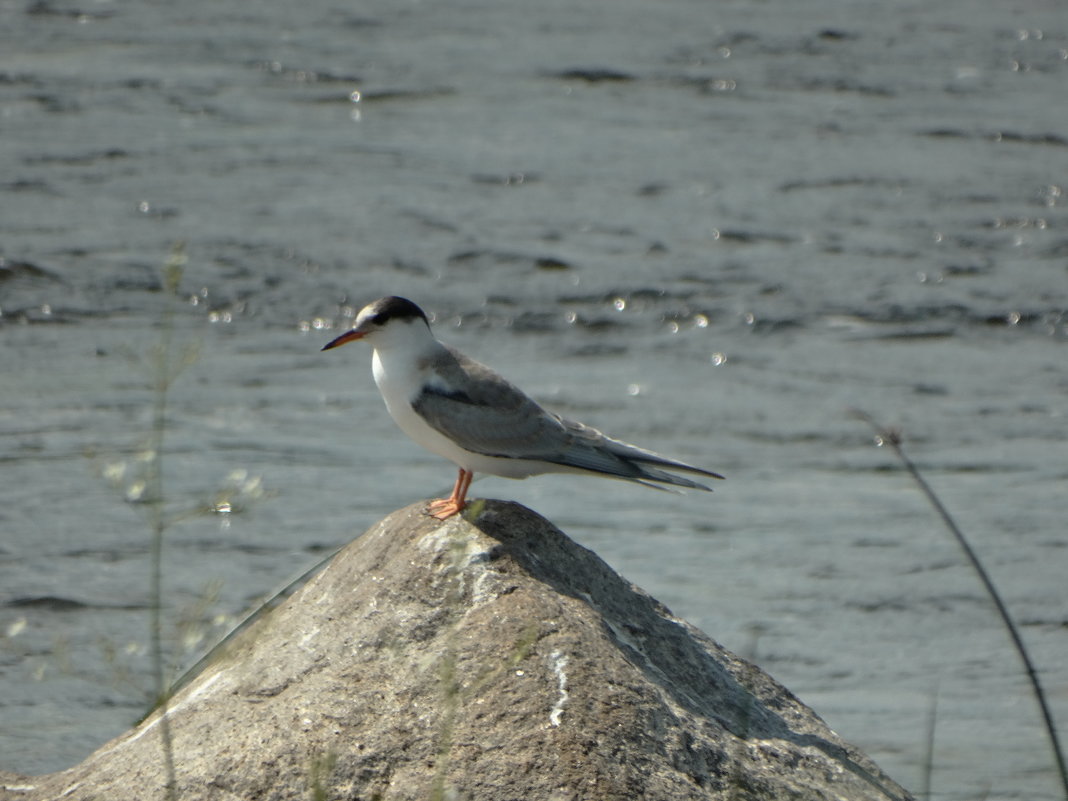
(559, 662)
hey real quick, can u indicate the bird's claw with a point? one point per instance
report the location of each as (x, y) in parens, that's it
(445, 508)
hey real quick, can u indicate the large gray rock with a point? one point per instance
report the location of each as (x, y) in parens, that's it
(488, 657)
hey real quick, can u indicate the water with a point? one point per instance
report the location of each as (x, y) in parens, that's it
(711, 229)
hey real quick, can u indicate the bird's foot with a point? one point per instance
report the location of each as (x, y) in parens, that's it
(444, 508)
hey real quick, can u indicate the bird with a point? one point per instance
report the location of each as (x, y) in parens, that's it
(466, 412)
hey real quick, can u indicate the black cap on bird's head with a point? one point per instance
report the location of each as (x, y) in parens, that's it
(377, 314)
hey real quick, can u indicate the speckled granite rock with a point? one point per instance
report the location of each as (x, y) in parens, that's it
(488, 657)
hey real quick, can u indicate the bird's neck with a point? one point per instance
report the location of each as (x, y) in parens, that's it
(401, 372)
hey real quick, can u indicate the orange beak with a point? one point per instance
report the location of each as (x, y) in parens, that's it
(348, 336)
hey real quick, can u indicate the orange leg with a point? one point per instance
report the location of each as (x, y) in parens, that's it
(447, 507)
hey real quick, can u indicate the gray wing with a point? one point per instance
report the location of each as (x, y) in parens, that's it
(492, 417)
(484, 413)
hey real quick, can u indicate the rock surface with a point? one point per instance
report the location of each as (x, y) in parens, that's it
(483, 658)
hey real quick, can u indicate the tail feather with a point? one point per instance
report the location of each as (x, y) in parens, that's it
(651, 474)
(591, 450)
(644, 458)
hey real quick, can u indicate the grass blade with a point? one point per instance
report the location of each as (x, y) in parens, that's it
(892, 438)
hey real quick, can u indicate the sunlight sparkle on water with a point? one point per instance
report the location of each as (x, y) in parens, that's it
(318, 324)
(16, 628)
(114, 472)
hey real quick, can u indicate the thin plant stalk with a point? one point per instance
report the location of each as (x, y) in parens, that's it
(893, 439)
(161, 383)
(929, 744)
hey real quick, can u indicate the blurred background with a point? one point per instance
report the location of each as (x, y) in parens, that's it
(709, 228)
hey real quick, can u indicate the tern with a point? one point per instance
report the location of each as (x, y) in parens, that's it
(464, 411)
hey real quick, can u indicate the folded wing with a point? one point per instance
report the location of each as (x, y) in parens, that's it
(492, 417)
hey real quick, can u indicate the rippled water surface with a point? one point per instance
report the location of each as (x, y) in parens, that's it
(708, 228)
